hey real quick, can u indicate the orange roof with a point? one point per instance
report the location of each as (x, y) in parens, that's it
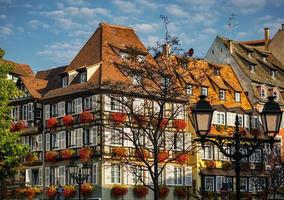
(253, 42)
(34, 85)
(19, 69)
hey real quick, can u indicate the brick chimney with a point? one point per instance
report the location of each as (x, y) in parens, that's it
(166, 49)
(266, 37)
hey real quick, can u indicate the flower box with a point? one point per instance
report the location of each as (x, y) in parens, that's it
(52, 122)
(163, 191)
(142, 153)
(210, 164)
(164, 122)
(182, 158)
(140, 120)
(68, 120)
(86, 117)
(85, 153)
(118, 117)
(21, 125)
(119, 151)
(67, 154)
(51, 192)
(31, 157)
(51, 156)
(180, 192)
(13, 127)
(29, 192)
(179, 124)
(69, 191)
(162, 156)
(118, 190)
(226, 165)
(86, 189)
(140, 191)
(243, 131)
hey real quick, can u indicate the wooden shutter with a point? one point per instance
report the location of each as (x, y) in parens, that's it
(40, 176)
(170, 175)
(61, 108)
(47, 176)
(62, 175)
(93, 135)
(128, 134)
(107, 136)
(28, 176)
(188, 176)
(30, 111)
(214, 117)
(216, 152)
(246, 121)
(47, 111)
(95, 104)
(107, 101)
(218, 183)
(63, 140)
(47, 141)
(79, 137)
(95, 173)
(39, 140)
(107, 173)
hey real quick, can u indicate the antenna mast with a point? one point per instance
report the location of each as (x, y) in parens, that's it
(232, 24)
(165, 19)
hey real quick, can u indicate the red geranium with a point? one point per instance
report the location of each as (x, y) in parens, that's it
(119, 190)
(51, 122)
(51, 192)
(13, 127)
(141, 153)
(119, 151)
(140, 191)
(180, 192)
(118, 117)
(86, 117)
(85, 153)
(164, 122)
(163, 191)
(66, 154)
(51, 155)
(162, 156)
(21, 125)
(211, 164)
(86, 188)
(179, 124)
(182, 158)
(69, 190)
(68, 120)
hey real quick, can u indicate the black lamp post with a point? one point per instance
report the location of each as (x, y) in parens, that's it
(271, 119)
(79, 174)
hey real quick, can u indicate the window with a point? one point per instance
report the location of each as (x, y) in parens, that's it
(254, 122)
(189, 89)
(204, 91)
(124, 56)
(64, 81)
(272, 73)
(36, 142)
(140, 58)
(244, 152)
(78, 105)
(222, 94)
(83, 77)
(237, 96)
(244, 184)
(16, 113)
(256, 156)
(249, 54)
(223, 181)
(61, 108)
(222, 156)
(137, 174)
(212, 51)
(137, 79)
(241, 120)
(115, 104)
(115, 137)
(178, 141)
(54, 110)
(178, 111)
(58, 176)
(264, 59)
(263, 92)
(221, 49)
(209, 183)
(208, 152)
(252, 68)
(59, 140)
(275, 94)
(115, 171)
(36, 176)
(217, 71)
(70, 107)
(166, 82)
(90, 136)
(178, 175)
(220, 118)
(25, 112)
(88, 103)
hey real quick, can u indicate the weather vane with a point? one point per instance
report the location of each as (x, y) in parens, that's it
(232, 24)
(166, 21)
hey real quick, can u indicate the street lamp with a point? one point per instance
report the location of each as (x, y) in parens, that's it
(79, 174)
(202, 118)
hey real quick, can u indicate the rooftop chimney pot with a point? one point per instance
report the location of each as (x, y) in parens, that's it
(266, 37)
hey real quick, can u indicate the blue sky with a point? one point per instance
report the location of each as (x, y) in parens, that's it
(49, 33)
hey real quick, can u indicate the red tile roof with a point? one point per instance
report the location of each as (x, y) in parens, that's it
(19, 69)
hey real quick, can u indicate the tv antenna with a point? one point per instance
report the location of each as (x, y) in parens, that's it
(165, 19)
(232, 24)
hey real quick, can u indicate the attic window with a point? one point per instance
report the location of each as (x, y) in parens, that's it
(222, 94)
(264, 59)
(83, 77)
(217, 72)
(275, 94)
(189, 89)
(166, 82)
(237, 96)
(136, 79)
(140, 58)
(64, 81)
(263, 92)
(212, 51)
(124, 55)
(249, 54)
(204, 91)
(252, 68)
(221, 50)
(272, 73)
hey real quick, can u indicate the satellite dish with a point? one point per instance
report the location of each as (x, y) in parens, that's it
(190, 52)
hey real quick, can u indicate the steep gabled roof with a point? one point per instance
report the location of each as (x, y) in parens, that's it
(34, 86)
(19, 69)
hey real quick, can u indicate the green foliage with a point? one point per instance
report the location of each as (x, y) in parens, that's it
(11, 151)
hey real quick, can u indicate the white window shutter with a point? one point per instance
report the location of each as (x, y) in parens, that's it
(95, 173)
(79, 137)
(187, 141)
(73, 138)
(47, 111)
(214, 117)
(170, 175)
(138, 106)
(246, 121)
(47, 141)
(188, 176)
(93, 135)
(39, 140)
(62, 175)
(28, 176)
(107, 136)
(95, 104)
(107, 171)
(149, 180)
(156, 107)
(47, 176)
(216, 151)
(40, 175)
(128, 134)
(78, 105)
(233, 119)
(61, 108)
(218, 183)
(63, 140)
(30, 111)
(169, 140)
(107, 101)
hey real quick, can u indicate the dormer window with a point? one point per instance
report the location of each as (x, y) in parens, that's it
(64, 81)
(136, 79)
(264, 59)
(272, 73)
(204, 91)
(275, 94)
(222, 94)
(217, 72)
(124, 55)
(189, 89)
(249, 54)
(140, 58)
(252, 68)
(83, 77)
(263, 92)
(237, 96)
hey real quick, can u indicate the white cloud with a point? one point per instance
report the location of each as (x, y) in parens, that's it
(61, 52)
(248, 6)
(126, 6)
(76, 2)
(79, 33)
(3, 16)
(5, 31)
(146, 28)
(209, 31)
(242, 34)
(34, 23)
(151, 41)
(148, 3)
(176, 11)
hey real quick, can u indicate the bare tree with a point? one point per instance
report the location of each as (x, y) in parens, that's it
(154, 110)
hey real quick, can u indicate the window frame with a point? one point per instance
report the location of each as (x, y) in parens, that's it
(212, 181)
(222, 94)
(237, 97)
(204, 89)
(83, 76)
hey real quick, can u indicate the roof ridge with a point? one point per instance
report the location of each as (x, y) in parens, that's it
(115, 25)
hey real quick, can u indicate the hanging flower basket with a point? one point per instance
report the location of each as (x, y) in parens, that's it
(85, 153)
(182, 158)
(230, 131)
(162, 156)
(86, 117)
(68, 120)
(51, 122)
(51, 156)
(21, 125)
(31, 157)
(67, 154)
(226, 165)
(118, 190)
(30, 192)
(140, 191)
(210, 164)
(142, 153)
(51, 192)
(118, 117)
(86, 189)
(69, 191)
(179, 124)
(163, 191)
(243, 131)
(119, 151)
(180, 192)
